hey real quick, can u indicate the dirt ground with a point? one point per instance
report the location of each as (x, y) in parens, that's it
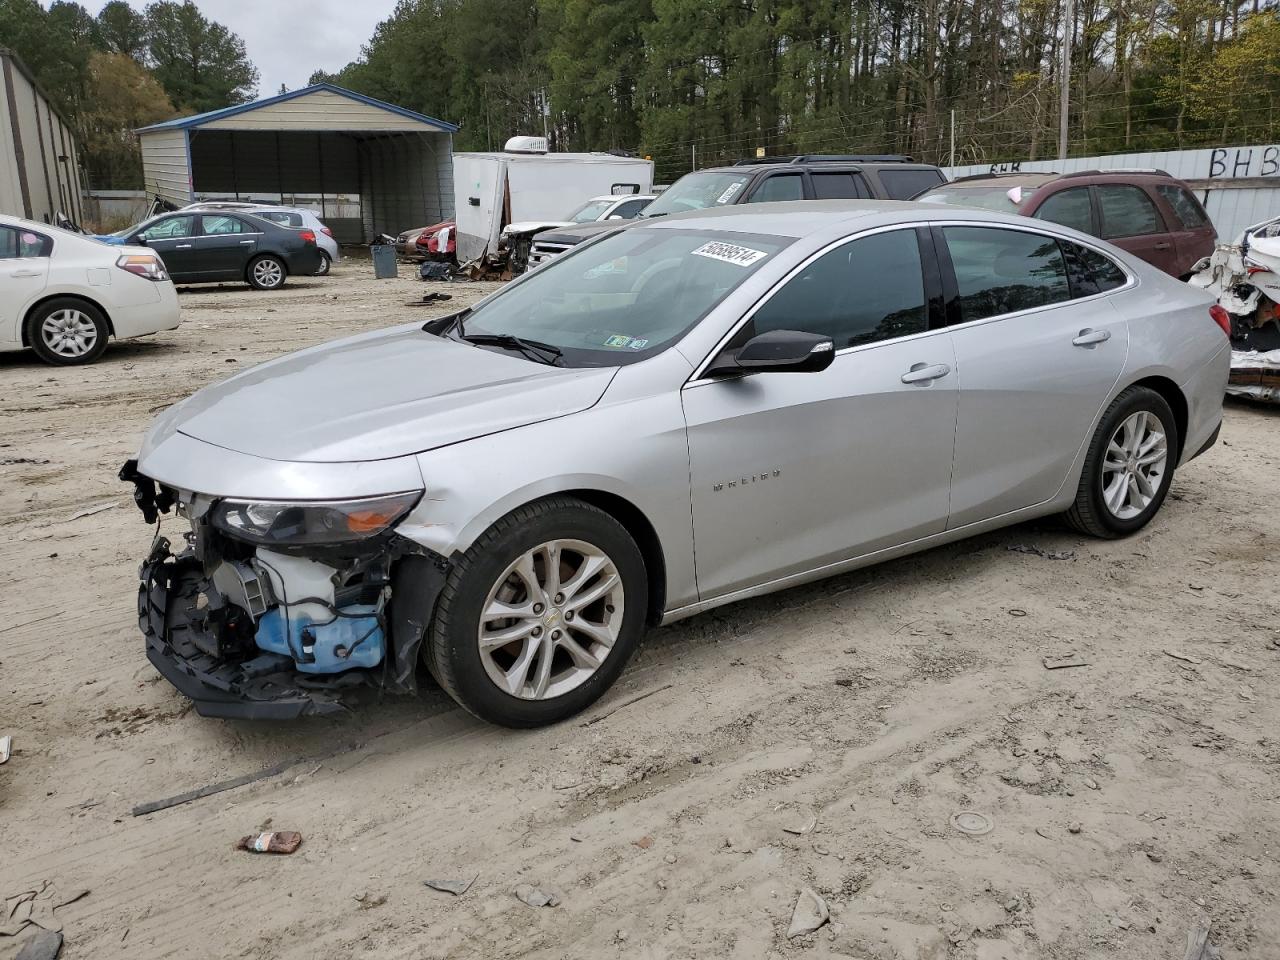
(823, 737)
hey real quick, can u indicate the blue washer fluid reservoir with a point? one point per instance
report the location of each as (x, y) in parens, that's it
(343, 643)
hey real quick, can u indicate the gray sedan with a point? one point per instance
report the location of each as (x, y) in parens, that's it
(674, 416)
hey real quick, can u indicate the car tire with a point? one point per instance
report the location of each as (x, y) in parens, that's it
(66, 331)
(325, 264)
(1129, 466)
(266, 273)
(554, 645)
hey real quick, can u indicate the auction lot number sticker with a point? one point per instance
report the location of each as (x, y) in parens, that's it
(730, 253)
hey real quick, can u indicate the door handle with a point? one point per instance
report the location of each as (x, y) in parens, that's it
(1162, 245)
(182, 246)
(1088, 338)
(924, 373)
(26, 273)
(250, 242)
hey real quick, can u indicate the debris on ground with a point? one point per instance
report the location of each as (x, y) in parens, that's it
(810, 913)
(45, 945)
(1198, 945)
(456, 887)
(368, 902)
(644, 843)
(803, 825)
(973, 823)
(36, 908)
(91, 511)
(1064, 661)
(277, 841)
(6, 748)
(1184, 657)
(536, 898)
(1040, 552)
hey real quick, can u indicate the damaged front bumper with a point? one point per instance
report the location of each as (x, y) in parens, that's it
(251, 633)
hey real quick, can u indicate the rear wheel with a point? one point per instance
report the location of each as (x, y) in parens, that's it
(266, 273)
(1129, 467)
(66, 331)
(325, 264)
(540, 616)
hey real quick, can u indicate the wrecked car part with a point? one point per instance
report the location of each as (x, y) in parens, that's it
(246, 630)
(151, 499)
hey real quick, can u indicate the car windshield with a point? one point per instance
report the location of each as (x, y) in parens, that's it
(590, 211)
(136, 228)
(696, 191)
(997, 198)
(625, 297)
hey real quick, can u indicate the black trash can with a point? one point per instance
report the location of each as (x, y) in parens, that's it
(384, 261)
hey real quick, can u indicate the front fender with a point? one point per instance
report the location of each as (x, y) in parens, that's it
(635, 449)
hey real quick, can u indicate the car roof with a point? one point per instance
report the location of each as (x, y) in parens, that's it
(987, 180)
(623, 196)
(818, 165)
(799, 218)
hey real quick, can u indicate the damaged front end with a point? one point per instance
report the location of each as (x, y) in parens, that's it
(1245, 278)
(280, 610)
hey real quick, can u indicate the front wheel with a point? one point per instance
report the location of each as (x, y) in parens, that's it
(1129, 467)
(266, 273)
(540, 615)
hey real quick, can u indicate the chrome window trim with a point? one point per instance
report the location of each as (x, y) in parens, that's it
(1131, 282)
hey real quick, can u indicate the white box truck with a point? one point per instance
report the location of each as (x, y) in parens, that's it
(524, 182)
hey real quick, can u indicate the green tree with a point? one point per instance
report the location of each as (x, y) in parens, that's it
(122, 96)
(200, 64)
(121, 29)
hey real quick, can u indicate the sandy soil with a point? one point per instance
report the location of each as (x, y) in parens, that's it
(1129, 798)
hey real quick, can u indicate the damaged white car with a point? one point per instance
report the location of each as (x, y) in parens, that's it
(1245, 277)
(510, 494)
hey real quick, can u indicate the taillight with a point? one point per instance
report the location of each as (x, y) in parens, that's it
(1221, 318)
(308, 236)
(327, 232)
(1252, 270)
(146, 265)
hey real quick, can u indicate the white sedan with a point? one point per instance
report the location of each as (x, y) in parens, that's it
(63, 295)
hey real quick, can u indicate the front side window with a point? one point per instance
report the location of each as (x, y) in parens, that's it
(626, 296)
(869, 290)
(1004, 271)
(1070, 208)
(19, 243)
(905, 184)
(170, 228)
(629, 210)
(784, 186)
(221, 224)
(1185, 206)
(1127, 211)
(697, 191)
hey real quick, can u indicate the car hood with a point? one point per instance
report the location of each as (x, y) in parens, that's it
(583, 231)
(532, 226)
(373, 397)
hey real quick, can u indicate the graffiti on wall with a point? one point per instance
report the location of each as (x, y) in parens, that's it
(1232, 162)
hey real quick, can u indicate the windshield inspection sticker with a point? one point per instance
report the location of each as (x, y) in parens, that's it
(730, 253)
(618, 340)
(730, 192)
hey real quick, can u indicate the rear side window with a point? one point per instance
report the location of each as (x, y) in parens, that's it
(1091, 271)
(1185, 206)
(221, 224)
(786, 186)
(863, 292)
(839, 186)
(16, 243)
(285, 219)
(1071, 208)
(1127, 211)
(1003, 271)
(905, 184)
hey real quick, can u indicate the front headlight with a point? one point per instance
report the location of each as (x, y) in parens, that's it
(317, 522)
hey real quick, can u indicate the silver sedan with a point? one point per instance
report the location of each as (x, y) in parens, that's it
(677, 415)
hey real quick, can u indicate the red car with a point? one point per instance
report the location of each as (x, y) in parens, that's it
(439, 241)
(1149, 213)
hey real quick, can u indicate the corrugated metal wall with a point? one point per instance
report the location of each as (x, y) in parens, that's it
(165, 165)
(1238, 186)
(407, 180)
(39, 159)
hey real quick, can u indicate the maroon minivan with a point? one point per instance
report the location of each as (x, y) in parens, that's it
(1149, 213)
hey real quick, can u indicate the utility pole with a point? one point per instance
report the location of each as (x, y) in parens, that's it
(953, 142)
(693, 156)
(1064, 81)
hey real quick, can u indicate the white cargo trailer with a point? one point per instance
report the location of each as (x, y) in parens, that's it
(494, 189)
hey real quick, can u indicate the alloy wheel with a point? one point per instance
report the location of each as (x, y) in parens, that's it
(268, 273)
(551, 619)
(1134, 465)
(69, 333)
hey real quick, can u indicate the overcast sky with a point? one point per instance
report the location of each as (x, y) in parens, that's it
(288, 39)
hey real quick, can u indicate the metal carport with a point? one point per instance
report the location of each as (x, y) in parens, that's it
(371, 166)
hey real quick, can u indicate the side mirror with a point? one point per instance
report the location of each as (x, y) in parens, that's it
(138, 240)
(614, 216)
(778, 351)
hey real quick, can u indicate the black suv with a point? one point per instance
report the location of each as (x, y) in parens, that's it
(809, 177)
